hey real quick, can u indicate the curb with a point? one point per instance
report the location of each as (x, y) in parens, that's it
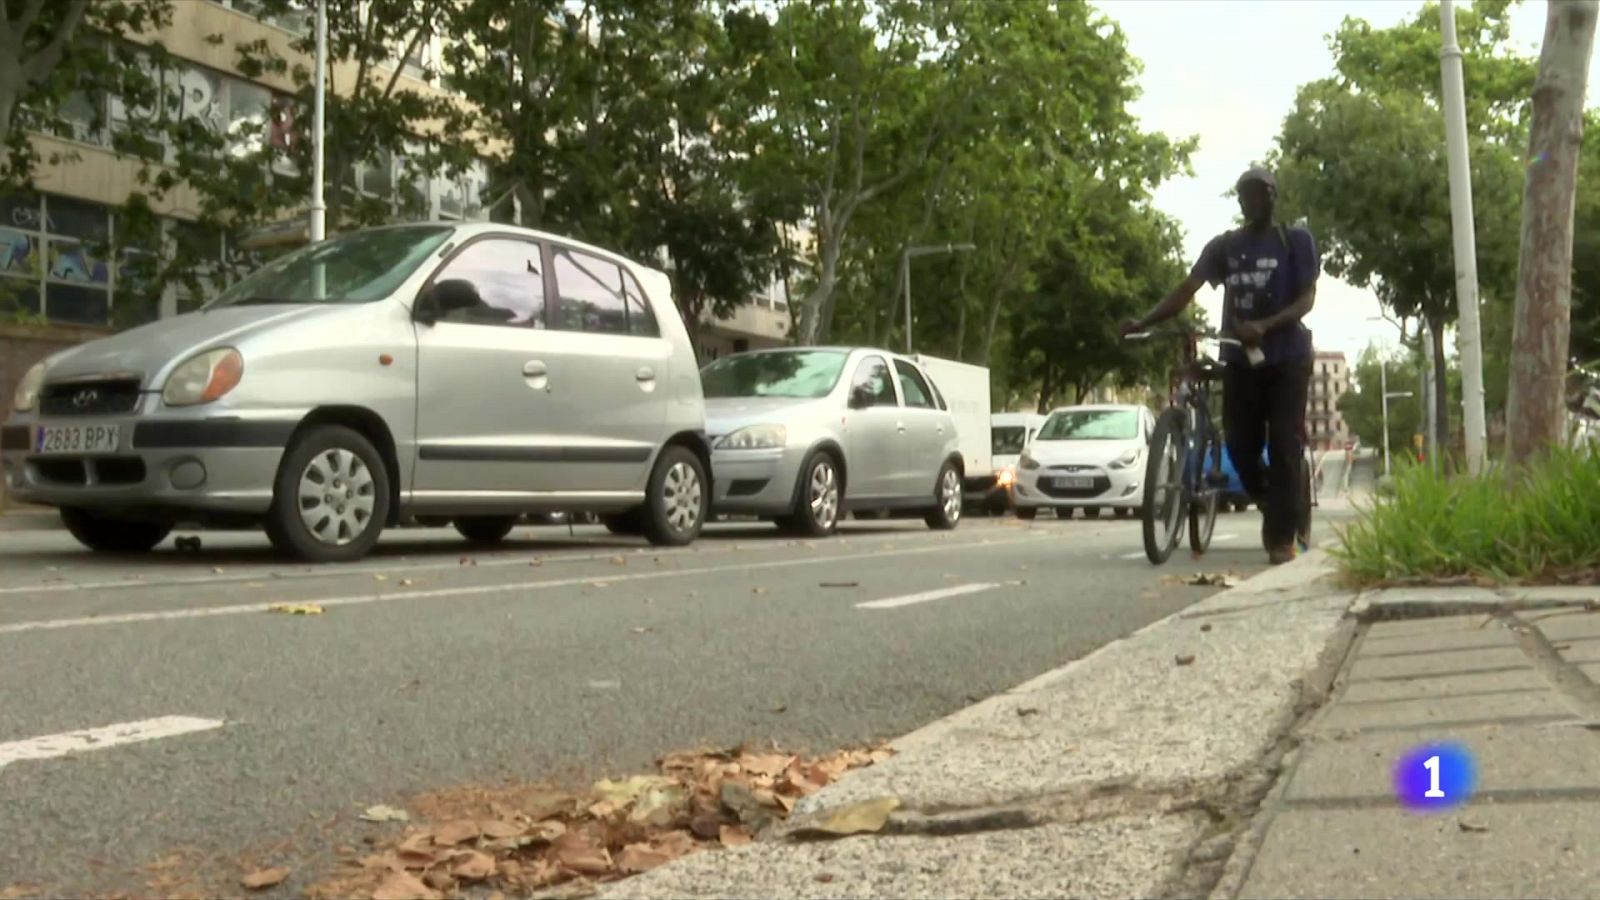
(30, 520)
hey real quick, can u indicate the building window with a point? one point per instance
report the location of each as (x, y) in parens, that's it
(54, 258)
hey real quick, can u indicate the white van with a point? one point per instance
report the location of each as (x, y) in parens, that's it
(1009, 435)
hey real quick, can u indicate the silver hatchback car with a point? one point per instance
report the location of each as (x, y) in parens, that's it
(472, 373)
(801, 435)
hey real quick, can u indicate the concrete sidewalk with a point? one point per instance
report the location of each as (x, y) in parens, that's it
(18, 517)
(1240, 748)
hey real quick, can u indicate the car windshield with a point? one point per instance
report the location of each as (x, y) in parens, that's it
(801, 374)
(1091, 425)
(358, 267)
(1007, 440)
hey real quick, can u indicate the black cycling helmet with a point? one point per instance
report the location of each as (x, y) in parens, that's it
(1256, 173)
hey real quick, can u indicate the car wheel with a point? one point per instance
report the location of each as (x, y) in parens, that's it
(816, 508)
(947, 497)
(485, 529)
(1027, 513)
(1123, 512)
(330, 500)
(675, 509)
(110, 534)
(1091, 512)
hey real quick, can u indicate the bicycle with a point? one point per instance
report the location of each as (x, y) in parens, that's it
(1177, 479)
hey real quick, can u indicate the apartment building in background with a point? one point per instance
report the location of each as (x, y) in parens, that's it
(49, 264)
(1330, 380)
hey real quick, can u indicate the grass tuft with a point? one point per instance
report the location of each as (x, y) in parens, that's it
(1541, 525)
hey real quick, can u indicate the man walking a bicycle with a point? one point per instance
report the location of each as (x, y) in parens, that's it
(1269, 275)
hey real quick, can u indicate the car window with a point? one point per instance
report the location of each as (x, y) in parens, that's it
(913, 386)
(506, 274)
(591, 294)
(641, 319)
(1091, 425)
(1007, 440)
(358, 267)
(873, 374)
(799, 374)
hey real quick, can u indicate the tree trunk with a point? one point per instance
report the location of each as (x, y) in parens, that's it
(1439, 439)
(812, 305)
(1535, 414)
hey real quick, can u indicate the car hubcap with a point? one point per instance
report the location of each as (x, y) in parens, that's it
(950, 495)
(1169, 487)
(683, 497)
(824, 495)
(337, 497)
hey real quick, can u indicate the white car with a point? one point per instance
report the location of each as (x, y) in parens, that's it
(1089, 457)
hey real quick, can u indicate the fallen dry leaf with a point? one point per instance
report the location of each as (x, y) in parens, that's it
(769, 764)
(759, 590)
(473, 866)
(495, 829)
(578, 853)
(734, 836)
(643, 630)
(1471, 827)
(457, 832)
(383, 813)
(1184, 659)
(857, 818)
(841, 584)
(216, 570)
(621, 792)
(824, 877)
(1206, 627)
(404, 886)
(296, 609)
(264, 878)
(636, 858)
(380, 577)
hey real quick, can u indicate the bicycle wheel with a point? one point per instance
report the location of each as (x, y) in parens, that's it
(1163, 507)
(1204, 497)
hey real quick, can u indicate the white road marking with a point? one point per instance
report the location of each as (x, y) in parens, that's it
(504, 558)
(1214, 539)
(1138, 555)
(54, 745)
(925, 596)
(482, 589)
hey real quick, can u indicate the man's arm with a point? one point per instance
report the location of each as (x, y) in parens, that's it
(1174, 303)
(1307, 266)
(1294, 312)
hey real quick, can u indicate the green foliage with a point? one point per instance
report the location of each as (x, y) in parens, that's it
(1541, 525)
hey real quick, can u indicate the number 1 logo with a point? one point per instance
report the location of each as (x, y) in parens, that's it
(1435, 776)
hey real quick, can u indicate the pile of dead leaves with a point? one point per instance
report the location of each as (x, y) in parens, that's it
(525, 839)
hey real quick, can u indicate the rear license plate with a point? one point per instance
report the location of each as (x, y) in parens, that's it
(1074, 481)
(61, 439)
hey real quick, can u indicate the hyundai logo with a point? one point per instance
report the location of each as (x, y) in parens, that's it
(85, 398)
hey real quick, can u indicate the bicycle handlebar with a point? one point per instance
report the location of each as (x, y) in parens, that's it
(1146, 335)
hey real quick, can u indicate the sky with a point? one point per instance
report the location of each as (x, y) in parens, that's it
(1254, 54)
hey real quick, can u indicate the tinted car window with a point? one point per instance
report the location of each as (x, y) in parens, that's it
(1007, 440)
(802, 374)
(873, 374)
(506, 276)
(913, 387)
(591, 293)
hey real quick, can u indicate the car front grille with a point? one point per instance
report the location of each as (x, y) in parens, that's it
(90, 398)
(81, 471)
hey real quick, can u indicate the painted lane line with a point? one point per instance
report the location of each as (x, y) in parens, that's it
(482, 589)
(520, 559)
(925, 596)
(1140, 554)
(53, 745)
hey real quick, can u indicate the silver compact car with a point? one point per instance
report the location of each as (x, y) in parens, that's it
(472, 373)
(801, 435)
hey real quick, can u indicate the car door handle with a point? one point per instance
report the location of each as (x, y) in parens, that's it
(645, 373)
(900, 427)
(534, 369)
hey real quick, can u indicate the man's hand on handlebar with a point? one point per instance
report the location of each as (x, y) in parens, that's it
(1130, 326)
(1249, 333)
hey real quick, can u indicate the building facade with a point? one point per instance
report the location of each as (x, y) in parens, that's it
(1330, 380)
(55, 264)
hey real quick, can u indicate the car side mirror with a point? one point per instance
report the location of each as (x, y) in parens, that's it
(444, 297)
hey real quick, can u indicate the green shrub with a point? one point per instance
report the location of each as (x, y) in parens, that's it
(1541, 525)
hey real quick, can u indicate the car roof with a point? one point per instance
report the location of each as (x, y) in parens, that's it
(466, 230)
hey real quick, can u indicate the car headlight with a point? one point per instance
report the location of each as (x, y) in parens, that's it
(27, 393)
(755, 437)
(1006, 476)
(1125, 460)
(1027, 462)
(203, 378)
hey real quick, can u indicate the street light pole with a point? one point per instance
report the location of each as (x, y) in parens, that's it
(318, 207)
(905, 273)
(1383, 382)
(1469, 341)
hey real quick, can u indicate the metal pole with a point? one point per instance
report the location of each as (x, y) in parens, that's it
(1469, 342)
(1383, 381)
(905, 275)
(318, 208)
(1430, 395)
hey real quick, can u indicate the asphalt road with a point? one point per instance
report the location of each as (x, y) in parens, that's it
(555, 656)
